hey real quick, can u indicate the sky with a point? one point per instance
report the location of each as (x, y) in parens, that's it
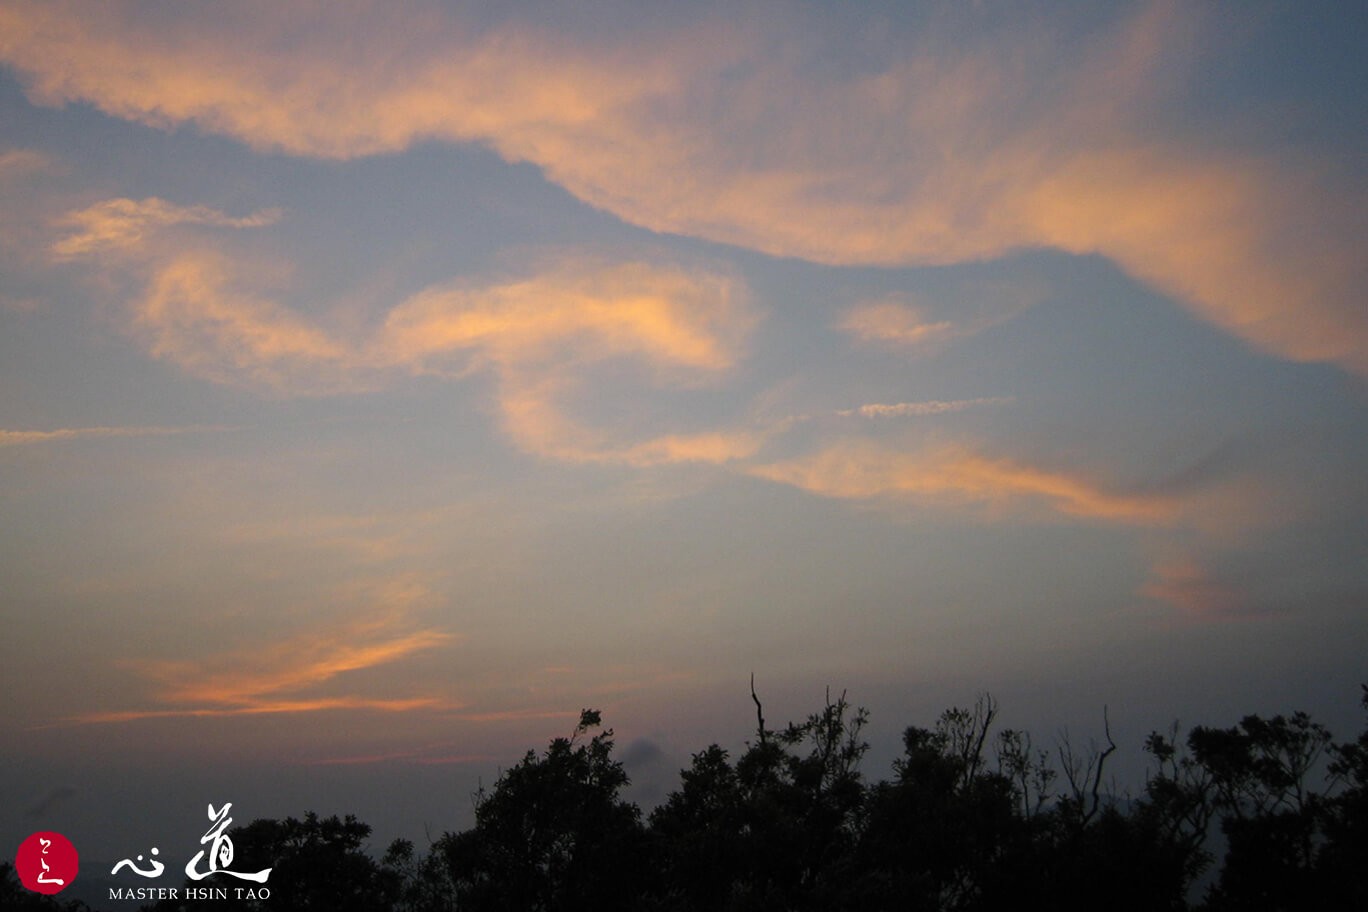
(383, 384)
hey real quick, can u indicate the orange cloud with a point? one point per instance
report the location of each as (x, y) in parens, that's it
(963, 145)
(1262, 255)
(193, 315)
(125, 224)
(532, 415)
(16, 163)
(664, 315)
(537, 334)
(890, 322)
(268, 679)
(264, 707)
(859, 469)
(289, 666)
(919, 409)
(19, 438)
(194, 309)
(1188, 586)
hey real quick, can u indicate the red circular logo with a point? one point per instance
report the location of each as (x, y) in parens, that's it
(46, 863)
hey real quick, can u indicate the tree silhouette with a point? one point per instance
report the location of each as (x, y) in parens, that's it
(1340, 864)
(316, 864)
(776, 830)
(553, 834)
(972, 819)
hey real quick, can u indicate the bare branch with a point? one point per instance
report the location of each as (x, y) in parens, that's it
(1101, 762)
(759, 712)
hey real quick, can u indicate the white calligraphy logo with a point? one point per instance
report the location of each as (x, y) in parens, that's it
(154, 871)
(220, 854)
(42, 876)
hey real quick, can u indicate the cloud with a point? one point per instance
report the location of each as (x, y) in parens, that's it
(18, 163)
(1190, 587)
(20, 438)
(196, 308)
(119, 224)
(642, 752)
(287, 667)
(264, 707)
(285, 676)
(538, 334)
(665, 315)
(890, 322)
(960, 141)
(195, 314)
(955, 475)
(919, 409)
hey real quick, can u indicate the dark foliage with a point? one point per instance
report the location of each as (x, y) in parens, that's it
(15, 897)
(553, 833)
(316, 864)
(971, 819)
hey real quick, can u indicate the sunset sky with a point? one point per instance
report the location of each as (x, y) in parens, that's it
(384, 383)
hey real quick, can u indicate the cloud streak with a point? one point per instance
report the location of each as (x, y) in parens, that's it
(897, 324)
(276, 678)
(24, 438)
(124, 224)
(921, 409)
(863, 469)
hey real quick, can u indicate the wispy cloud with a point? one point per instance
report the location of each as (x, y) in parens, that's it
(1191, 587)
(537, 334)
(277, 678)
(21, 438)
(287, 667)
(670, 316)
(122, 224)
(195, 313)
(198, 309)
(863, 469)
(899, 324)
(16, 163)
(265, 707)
(919, 409)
